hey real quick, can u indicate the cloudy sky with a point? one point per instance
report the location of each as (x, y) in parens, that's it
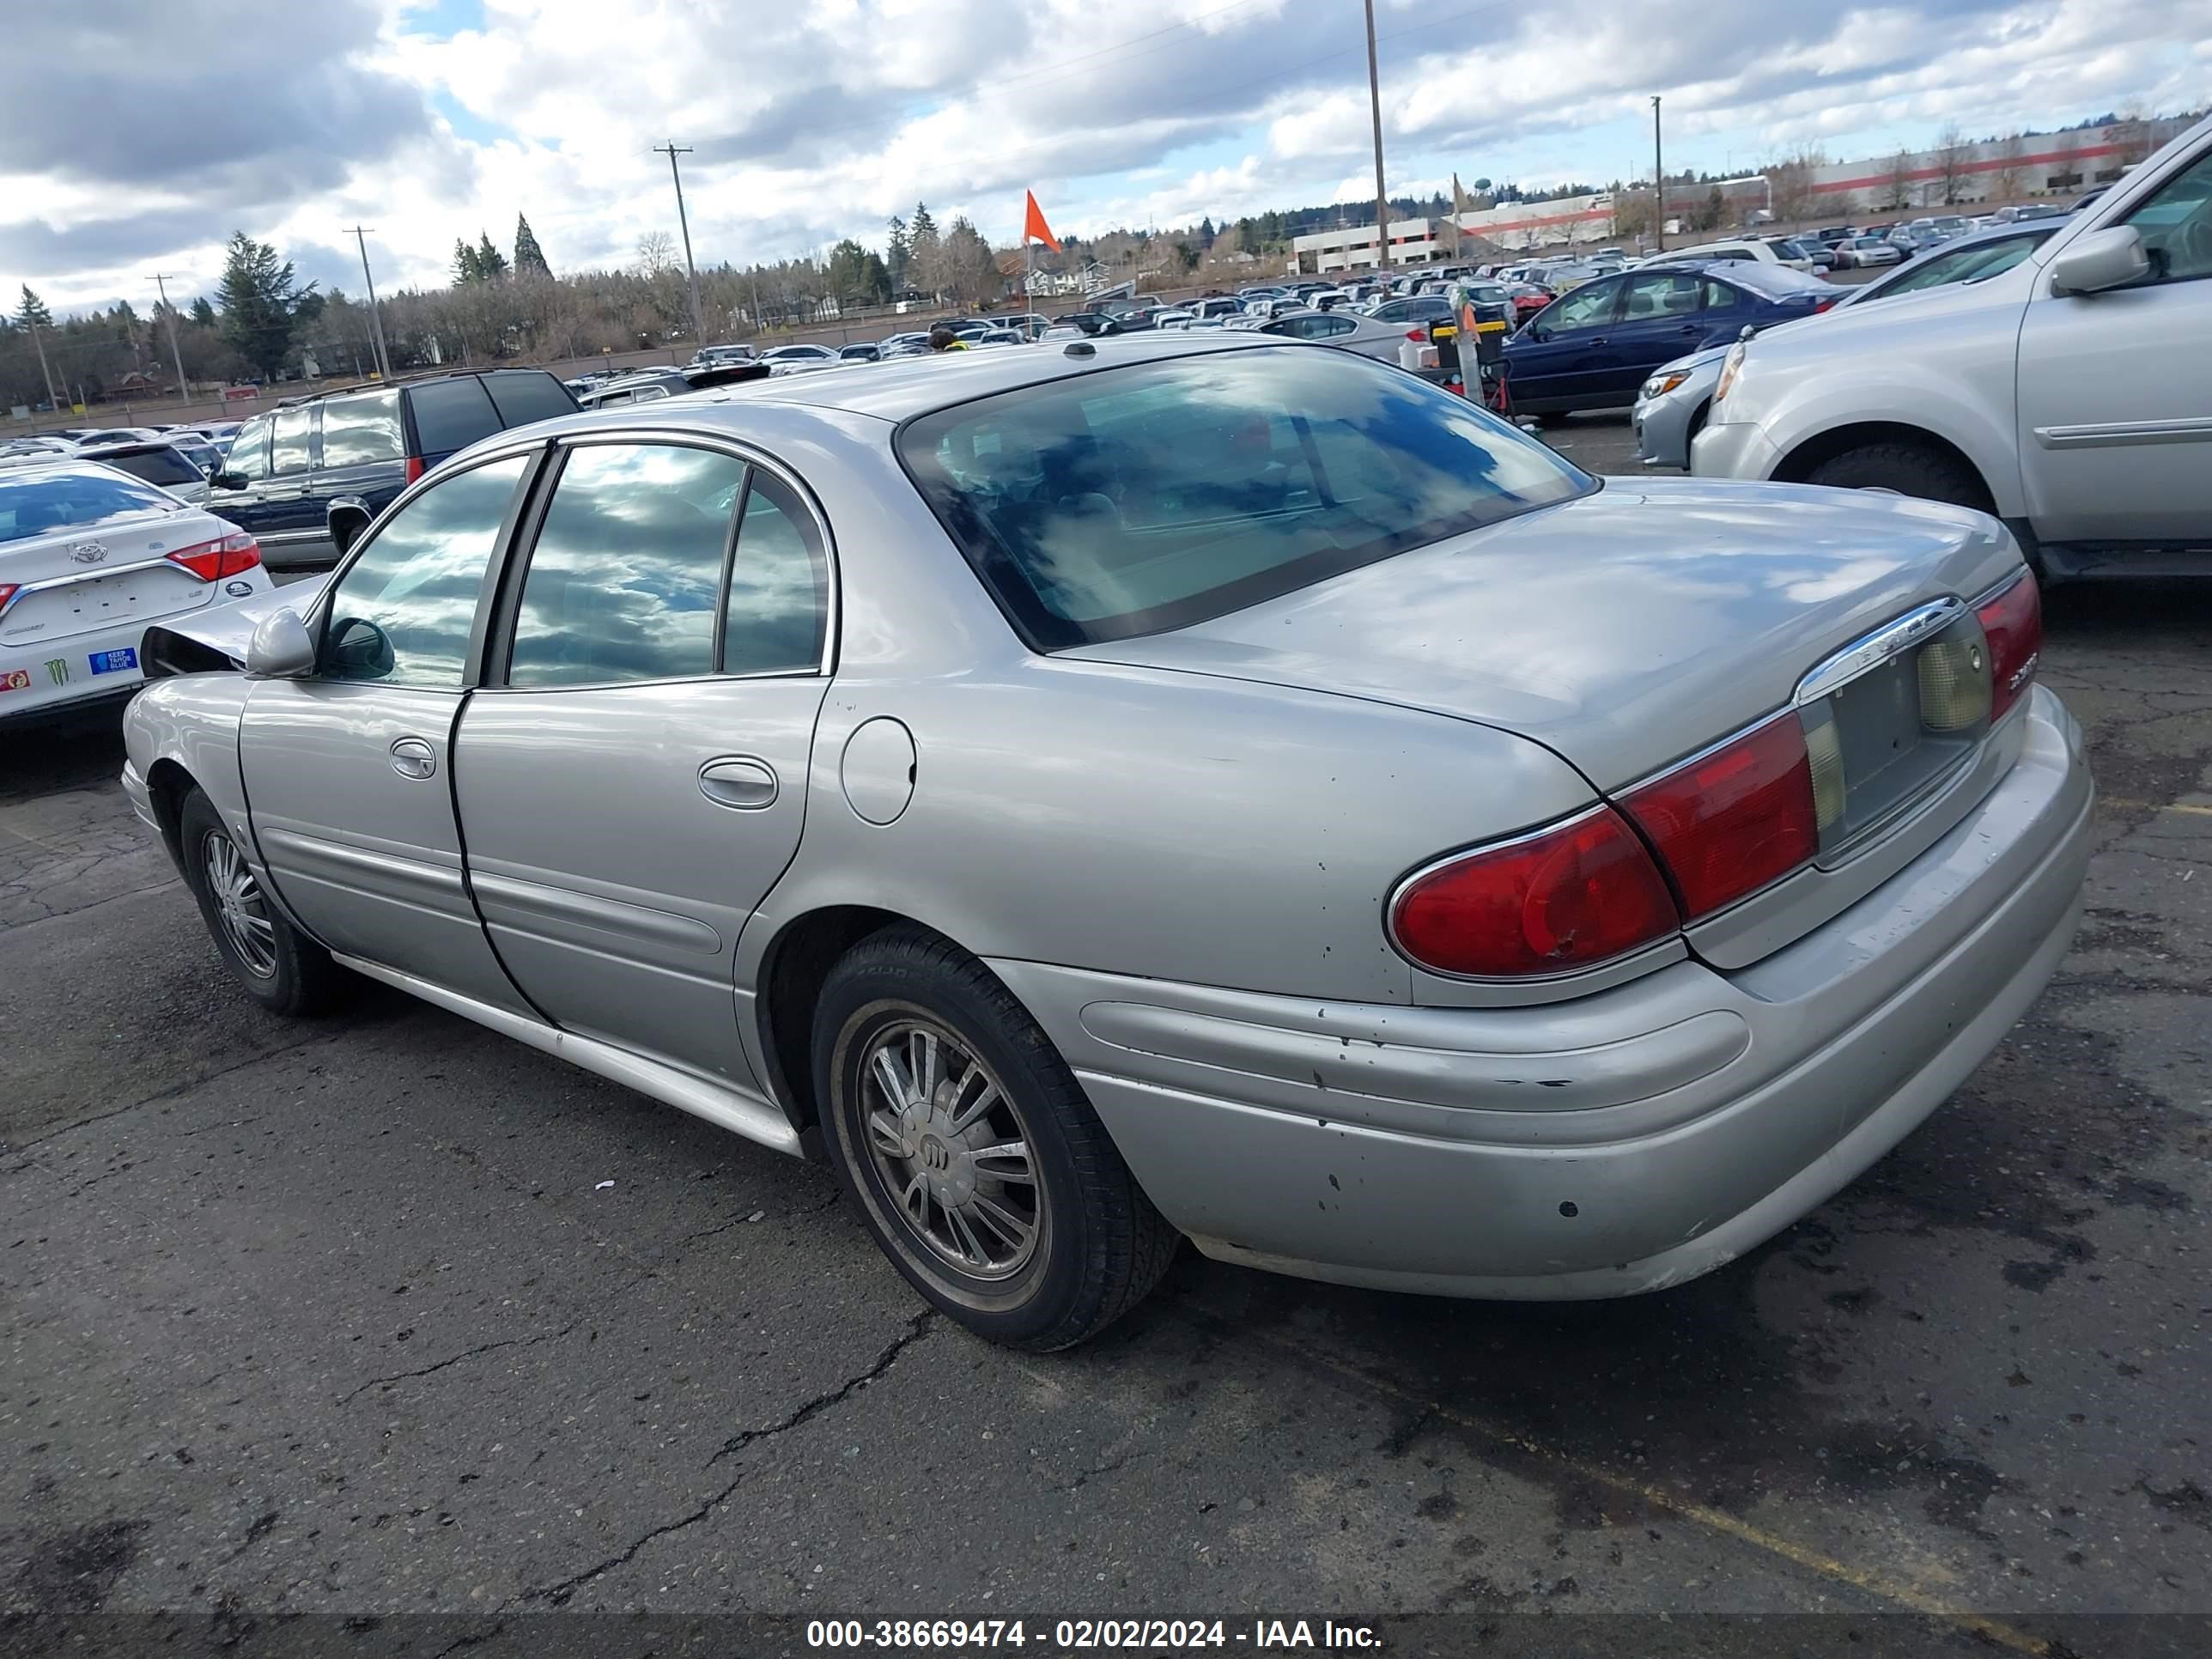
(138, 136)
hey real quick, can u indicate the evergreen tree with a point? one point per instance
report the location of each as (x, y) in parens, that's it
(923, 226)
(464, 262)
(203, 312)
(1206, 232)
(898, 253)
(925, 265)
(32, 311)
(261, 299)
(490, 262)
(529, 257)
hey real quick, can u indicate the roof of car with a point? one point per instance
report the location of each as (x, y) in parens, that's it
(405, 381)
(905, 387)
(136, 446)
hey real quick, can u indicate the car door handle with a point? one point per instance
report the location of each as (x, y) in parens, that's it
(1597, 339)
(746, 785)
(411, 757)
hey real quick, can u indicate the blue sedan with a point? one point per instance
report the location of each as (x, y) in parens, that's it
(1592, 348)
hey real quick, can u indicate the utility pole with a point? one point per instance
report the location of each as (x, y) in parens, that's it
(169, 314)
(53, 402)
(375, 323)
(1658, 182)
(671, 150)
(1375, 107)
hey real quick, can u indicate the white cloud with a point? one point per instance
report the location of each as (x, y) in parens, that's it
(811, 119)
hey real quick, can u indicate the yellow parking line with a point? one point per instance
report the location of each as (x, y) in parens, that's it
(2127, 806)
(1910, 1596)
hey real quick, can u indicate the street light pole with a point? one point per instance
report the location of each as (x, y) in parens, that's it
(1374, 108)
(169, 315)
(671, 150)
(375, 323)
(1658, 182)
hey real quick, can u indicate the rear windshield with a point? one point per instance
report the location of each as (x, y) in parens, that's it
(75, 500)
(452, 415)
(160, 467)
(524, 397)
(1134, 500)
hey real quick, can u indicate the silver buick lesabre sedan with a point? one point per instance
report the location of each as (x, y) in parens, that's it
(1091, 793)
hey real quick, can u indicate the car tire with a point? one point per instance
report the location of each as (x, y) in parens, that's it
(1909, 469)
(1554, 418)
(911, 1034)
(278, 966)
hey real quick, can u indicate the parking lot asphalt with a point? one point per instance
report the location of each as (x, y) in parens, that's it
(344, 1317)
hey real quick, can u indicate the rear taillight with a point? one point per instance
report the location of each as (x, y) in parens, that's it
(1417, 334)
(8, 591)
(1822, 307)
(414, 467)
(1578, 893)
(1730, 821)
(234, 555)
(2012, 621)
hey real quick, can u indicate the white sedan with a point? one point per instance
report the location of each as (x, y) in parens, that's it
(88, 556)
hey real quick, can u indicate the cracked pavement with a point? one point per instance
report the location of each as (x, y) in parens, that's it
(333, 1317)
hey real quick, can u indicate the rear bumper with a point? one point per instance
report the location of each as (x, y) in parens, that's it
(1616, 1144)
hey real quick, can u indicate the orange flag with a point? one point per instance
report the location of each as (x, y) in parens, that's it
(1033, 224)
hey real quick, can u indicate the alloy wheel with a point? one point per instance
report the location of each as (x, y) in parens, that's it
(949, 1150)
(240, 907)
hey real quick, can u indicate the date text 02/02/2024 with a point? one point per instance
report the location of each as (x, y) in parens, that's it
(1078, 1635)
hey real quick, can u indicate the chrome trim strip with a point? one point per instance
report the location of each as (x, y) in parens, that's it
(536, 904)
(2107, 434)
(724, 1105)
(48, 584)
(1870, 652)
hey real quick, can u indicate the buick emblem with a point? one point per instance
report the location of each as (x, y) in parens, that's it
(88, 552)
(935, 1154)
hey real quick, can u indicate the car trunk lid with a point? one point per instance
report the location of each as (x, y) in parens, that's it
(82, 578)
(1623, 630)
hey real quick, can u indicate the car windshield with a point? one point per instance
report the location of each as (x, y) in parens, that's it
(1135, 499)
(71, 501)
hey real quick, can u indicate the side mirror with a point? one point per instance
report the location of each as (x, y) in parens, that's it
(281, 649)
(2107, 258)
(222, 478)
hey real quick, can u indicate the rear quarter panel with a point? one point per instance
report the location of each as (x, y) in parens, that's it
(1146, 822)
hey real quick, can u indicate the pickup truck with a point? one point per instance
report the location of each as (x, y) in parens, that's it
(2070, 394)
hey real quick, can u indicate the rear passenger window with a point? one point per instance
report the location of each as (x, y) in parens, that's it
(624, 581)
(359, 431)
(292, 449)
(531, 395)
(779, 586)
(249, 452)
(451, 414)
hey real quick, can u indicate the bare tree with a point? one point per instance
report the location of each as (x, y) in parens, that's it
(656, 253)
(2131, 133)
(1951, 154)
(1898, 191)
(1790, 178)
(2005, 181)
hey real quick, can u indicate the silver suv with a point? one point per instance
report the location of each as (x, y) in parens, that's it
(2070, 394)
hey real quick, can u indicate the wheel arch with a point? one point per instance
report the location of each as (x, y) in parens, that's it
(787, 986)
(1799, 462)
(169, 783)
